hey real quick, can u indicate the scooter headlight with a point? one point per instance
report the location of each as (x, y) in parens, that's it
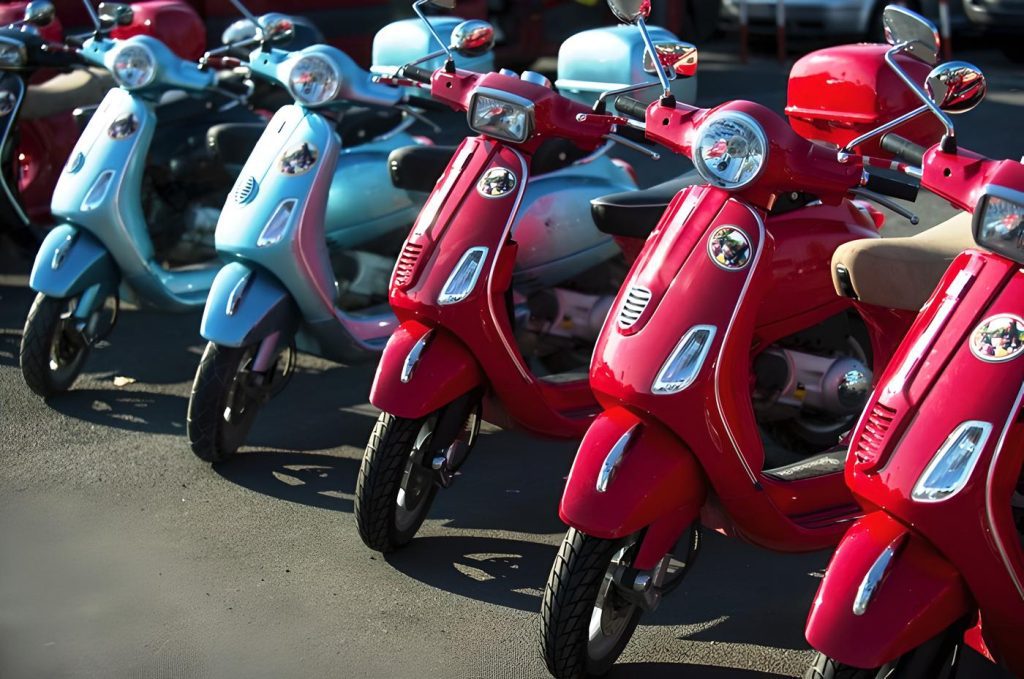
(952, 466)
(999, 222)
(501, 115)
(314, 80)
(134, 67)
(463, 279)
(731, 150)
(12, 54)
(685, 361)
(277, 225)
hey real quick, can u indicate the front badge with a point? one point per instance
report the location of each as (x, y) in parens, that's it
(299, 159)
(496, 182)
(123, 126)
(729, 248)
(998, 338)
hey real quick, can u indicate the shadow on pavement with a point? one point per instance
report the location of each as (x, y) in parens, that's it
(499, 571)
(673, 671)
(321, 481)
(149, 412)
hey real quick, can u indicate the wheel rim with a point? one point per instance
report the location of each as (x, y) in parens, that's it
(67, 347)
(241, 403)
(416, 483)
(612, 614)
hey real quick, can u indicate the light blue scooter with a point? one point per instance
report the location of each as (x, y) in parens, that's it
(282, 289)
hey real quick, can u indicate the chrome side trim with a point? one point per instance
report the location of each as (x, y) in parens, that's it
(761, 236)
(874, 577)
(413, 359)
(614, 459)
(990, 500)
(237, 294)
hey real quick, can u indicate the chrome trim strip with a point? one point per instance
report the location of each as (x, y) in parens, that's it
(237, 294)
(413, 359)
(874, 577)
(762, 235)
(614, 459)
(990, 504)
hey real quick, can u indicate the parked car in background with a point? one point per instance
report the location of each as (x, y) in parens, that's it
(1002, 19)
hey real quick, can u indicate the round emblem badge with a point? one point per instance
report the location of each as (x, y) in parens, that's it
(998, 338)
(8, 101)
(123, 126)
(729, 248)
(299, 159)
(496, 182)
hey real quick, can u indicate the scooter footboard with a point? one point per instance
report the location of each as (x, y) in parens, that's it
(246, 305)
(421, 370)
(629, 474)
(886, 592)
(70, 261)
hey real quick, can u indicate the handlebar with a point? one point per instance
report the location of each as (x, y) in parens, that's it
(418, 74)
(631, 108)
(633, 134)
(904, 189)
(426, 103)
(904, 149)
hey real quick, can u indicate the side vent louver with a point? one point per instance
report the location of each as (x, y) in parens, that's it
(406, 265)
(633, 306)
(876, 430)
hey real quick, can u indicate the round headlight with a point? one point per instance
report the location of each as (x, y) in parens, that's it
(731, 150)
(134, 67)
(314, 80)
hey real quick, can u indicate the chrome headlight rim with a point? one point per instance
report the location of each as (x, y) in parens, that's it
(748, 122)
(120, 52)
(992, 192)
(329, 93)
(18, 48)
(529, 110)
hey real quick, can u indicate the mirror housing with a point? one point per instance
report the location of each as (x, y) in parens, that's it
(277, 28)
(630, 11)
(679, 59)
(919, 37)
(956, 86)
(473, 38)
(39, 13)
(115, 14)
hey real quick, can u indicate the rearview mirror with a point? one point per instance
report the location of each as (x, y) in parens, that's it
(628, 11)
(277, 28)
(679, 59)
(115, 14)
(917, 35)
(956, 86)
(39, 13)
(473, 38)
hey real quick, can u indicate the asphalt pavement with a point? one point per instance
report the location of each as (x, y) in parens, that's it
(121, 555)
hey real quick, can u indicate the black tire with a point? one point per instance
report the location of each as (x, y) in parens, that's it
(825, 667)
(52, 354)
(222, 407)
(572, 593)
(384, 524)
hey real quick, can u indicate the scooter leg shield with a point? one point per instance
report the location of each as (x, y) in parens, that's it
(422, 369)
(245, 306)
(71, 261)
(628, 474)
(886, 592)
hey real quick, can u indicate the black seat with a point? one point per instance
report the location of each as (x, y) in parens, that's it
(359, 125)
(417, 168)
(634, 214)
(232, 143)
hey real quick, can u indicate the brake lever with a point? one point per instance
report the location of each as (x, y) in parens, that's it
(630, 144)
(887, 203)
(409, 110)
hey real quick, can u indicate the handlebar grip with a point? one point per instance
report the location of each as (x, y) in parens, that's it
(896, 188)
(426, 103)
(233, 85)
(420, 75)
(631, 108)
(633, 134)
(904, 149)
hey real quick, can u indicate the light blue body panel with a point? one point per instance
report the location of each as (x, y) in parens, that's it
(406, 41)
(114, 215)
(245, 306)
(70, 262)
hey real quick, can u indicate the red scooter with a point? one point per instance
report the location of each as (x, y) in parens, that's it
(930, 582)
(728, 368)
(510, 212)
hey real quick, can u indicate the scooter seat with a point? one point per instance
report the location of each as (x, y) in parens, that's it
(65, 92)
(232, 143)
(900, 273)
(359, 125)
(634, 214)
(417, 168)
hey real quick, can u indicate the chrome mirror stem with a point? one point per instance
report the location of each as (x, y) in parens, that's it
(950, 136)
(417, 7)
(251, 17)
(599, 105)
(666, 84)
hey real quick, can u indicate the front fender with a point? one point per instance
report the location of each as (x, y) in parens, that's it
(70, 261)
(444, 371)
(245, 305)
(655, 477)
(920, 595)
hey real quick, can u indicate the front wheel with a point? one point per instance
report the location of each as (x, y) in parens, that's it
(934, 659)
(585, 621)
(224, 402)
(53, 350)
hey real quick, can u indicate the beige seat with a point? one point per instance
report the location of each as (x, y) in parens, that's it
(900, 273)
(66, 92)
